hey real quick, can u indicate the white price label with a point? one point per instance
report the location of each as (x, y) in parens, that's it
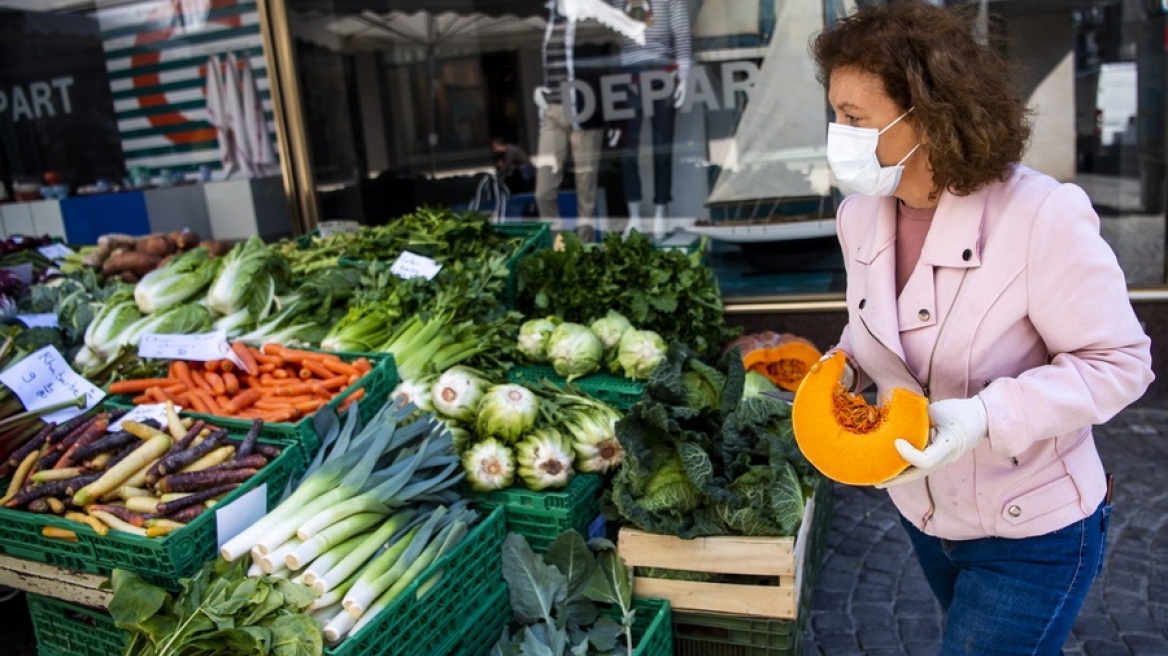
(240, 514)
(140, 413)
(328, 228)
(45, 378)
(203, 347)
(411, 265)
(46, 320)
(55, 251)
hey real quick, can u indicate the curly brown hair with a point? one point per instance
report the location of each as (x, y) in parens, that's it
(977, 125)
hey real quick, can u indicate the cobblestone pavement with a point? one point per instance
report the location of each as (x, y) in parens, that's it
(872, 598)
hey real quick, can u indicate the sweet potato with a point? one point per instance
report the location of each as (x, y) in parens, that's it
(157, 245)
(218, 247)
(184, 240)
(137, 263)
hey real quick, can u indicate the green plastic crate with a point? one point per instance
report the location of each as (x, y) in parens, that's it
(487, 625)
(65, 629)
(538, 235)
(728, 635)
(162, 560)
(426, 623)
(378, 383)
(652, 628)
(542, 516)
(619, 392)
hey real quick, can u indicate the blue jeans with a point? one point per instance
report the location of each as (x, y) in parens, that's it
(1012, 596)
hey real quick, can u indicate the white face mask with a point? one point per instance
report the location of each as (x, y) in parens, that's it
(851, 153)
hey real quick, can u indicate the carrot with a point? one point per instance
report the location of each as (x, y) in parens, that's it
(318, 369)
(230, 382)
(141, 399)
(209, 401)
(353, 379)
(139, 385)
(182, 372)
(277, 416)
(211, 365)
(363, 364)
(264, 358)
(268, 368)
(170, 371)
(295, 390)
(174, 389)
(216, 382)
(181, 399)
(309, 407)
(201, 380)
(335, 383)
(196, 402)
(341, 367)
(226, 366)
(243, 400)
(222, 400)
(157, 394)
(244, 354)
(357, 395)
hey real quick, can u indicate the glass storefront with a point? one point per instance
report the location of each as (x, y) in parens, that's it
(680, 118)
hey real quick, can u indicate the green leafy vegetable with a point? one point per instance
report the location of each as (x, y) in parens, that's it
(663, 290)
(703, 457)
(219, 612)
(182, 278)
(557, 598)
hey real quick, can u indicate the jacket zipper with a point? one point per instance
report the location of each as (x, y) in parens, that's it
(928, 516)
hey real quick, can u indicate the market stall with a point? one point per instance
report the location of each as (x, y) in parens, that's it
(434, 436)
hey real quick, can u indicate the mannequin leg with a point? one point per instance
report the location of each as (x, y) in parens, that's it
(634, 218)
(586, 145)
(663, 120)
(550, 160)
(659, 229)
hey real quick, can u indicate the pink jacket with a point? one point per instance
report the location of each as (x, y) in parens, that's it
(1016, 298)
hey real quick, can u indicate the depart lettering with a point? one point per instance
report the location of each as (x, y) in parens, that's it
(39, 99)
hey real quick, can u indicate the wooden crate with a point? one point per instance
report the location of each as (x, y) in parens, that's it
(767, 572)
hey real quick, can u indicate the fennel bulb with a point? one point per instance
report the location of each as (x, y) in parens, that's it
(489, 465)
(545, 459)
(457, 393)
(574, 350)
(417, 391)
(507, 412)
(593, 433)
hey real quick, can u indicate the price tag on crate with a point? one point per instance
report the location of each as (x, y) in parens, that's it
(44, 379)
(45, 320)
(56, 252)
(203, 347)
(241, 513)
(140, 413)
(411, 265)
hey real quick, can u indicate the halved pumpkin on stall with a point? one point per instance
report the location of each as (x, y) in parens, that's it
(848, 440)
(783, 358)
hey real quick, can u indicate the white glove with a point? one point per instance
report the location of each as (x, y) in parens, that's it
(539, 97)
(958, 426)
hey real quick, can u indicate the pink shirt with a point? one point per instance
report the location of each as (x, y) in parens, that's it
(912, 225)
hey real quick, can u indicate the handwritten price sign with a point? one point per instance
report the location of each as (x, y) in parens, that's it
(201, 348)
(411, 265)
(45, 378)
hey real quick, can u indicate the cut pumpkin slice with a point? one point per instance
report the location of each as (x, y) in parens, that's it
(848, 440)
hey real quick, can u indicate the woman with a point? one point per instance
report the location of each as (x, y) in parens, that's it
(986, 286)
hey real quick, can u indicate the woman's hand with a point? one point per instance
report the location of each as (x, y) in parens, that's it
(958, 426)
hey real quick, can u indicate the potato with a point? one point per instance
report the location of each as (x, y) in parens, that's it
(184, 239)
(218, 247)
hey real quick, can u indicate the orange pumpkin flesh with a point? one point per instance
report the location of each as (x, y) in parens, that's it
(848, 440)
(784, 359)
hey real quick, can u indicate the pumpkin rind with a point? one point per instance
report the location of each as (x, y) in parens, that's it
(843, 453)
